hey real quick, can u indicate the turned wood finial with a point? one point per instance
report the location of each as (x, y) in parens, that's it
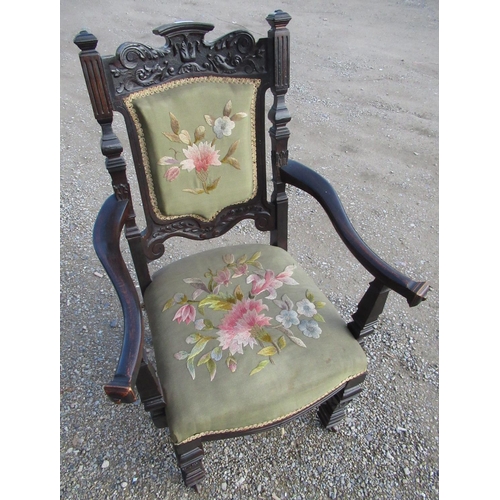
(278, 19)
(85, 40)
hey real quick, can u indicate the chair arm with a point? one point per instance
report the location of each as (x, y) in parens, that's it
(107, 231)
(317, 186)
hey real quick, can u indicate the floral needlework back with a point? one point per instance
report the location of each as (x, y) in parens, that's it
(236, 308)
(197, 138)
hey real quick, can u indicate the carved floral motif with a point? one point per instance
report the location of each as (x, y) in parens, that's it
(138, 65)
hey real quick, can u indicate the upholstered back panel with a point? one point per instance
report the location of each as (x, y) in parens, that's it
(198, 144)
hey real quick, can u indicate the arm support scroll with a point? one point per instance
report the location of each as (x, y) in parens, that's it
(107, 230)
(317, 186)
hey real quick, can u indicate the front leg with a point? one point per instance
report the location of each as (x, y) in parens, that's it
(190, 460)
(332, 411)
(150, 393)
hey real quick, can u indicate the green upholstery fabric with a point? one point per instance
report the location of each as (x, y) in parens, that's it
(197, 138)
(244, 326)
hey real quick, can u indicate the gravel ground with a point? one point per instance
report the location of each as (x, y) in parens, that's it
(364, 101)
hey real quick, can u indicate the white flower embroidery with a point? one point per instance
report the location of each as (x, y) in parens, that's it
(307, 308)
(223, 126)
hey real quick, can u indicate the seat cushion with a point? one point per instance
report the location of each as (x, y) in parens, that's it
(244, 338)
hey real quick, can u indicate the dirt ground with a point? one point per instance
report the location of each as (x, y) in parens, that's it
(364, 105)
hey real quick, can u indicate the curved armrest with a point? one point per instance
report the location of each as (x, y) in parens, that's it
(317, 186)
(107, 230)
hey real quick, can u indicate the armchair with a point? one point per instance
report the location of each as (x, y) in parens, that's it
(243, 338)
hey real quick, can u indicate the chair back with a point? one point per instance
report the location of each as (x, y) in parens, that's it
(195, 113)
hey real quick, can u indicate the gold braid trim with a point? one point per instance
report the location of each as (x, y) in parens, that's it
(269, 422)
(128, 101)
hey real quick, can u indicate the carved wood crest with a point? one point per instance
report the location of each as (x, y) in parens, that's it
(137, 65)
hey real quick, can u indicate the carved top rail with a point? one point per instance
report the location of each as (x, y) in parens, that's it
(136, 65)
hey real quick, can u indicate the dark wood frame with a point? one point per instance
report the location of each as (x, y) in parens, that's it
(185, 52)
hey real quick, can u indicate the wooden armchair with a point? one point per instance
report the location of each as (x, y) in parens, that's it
(243, 338)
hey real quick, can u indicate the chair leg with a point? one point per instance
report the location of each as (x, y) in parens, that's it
(190, 461)
(369, 309)
(332, 411)
(150, 393)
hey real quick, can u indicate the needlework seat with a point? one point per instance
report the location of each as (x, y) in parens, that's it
(292, 348)
(243, 338)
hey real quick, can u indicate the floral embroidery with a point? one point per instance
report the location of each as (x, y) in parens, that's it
(223, 127)
(201, 154)
(246, 321)
(200, 157)
(306, 307)
(269, 282)
(186, 313)
(172, 173)
(237, 327)
(288, 318)
(310, 328)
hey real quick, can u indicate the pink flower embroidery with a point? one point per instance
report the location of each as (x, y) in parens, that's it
(186, 313)
(200, 157)
(172, 173)
(284, 277)
(240, 270)
(231, 364)
(269, 282)
(237, 326)
(223, 277)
